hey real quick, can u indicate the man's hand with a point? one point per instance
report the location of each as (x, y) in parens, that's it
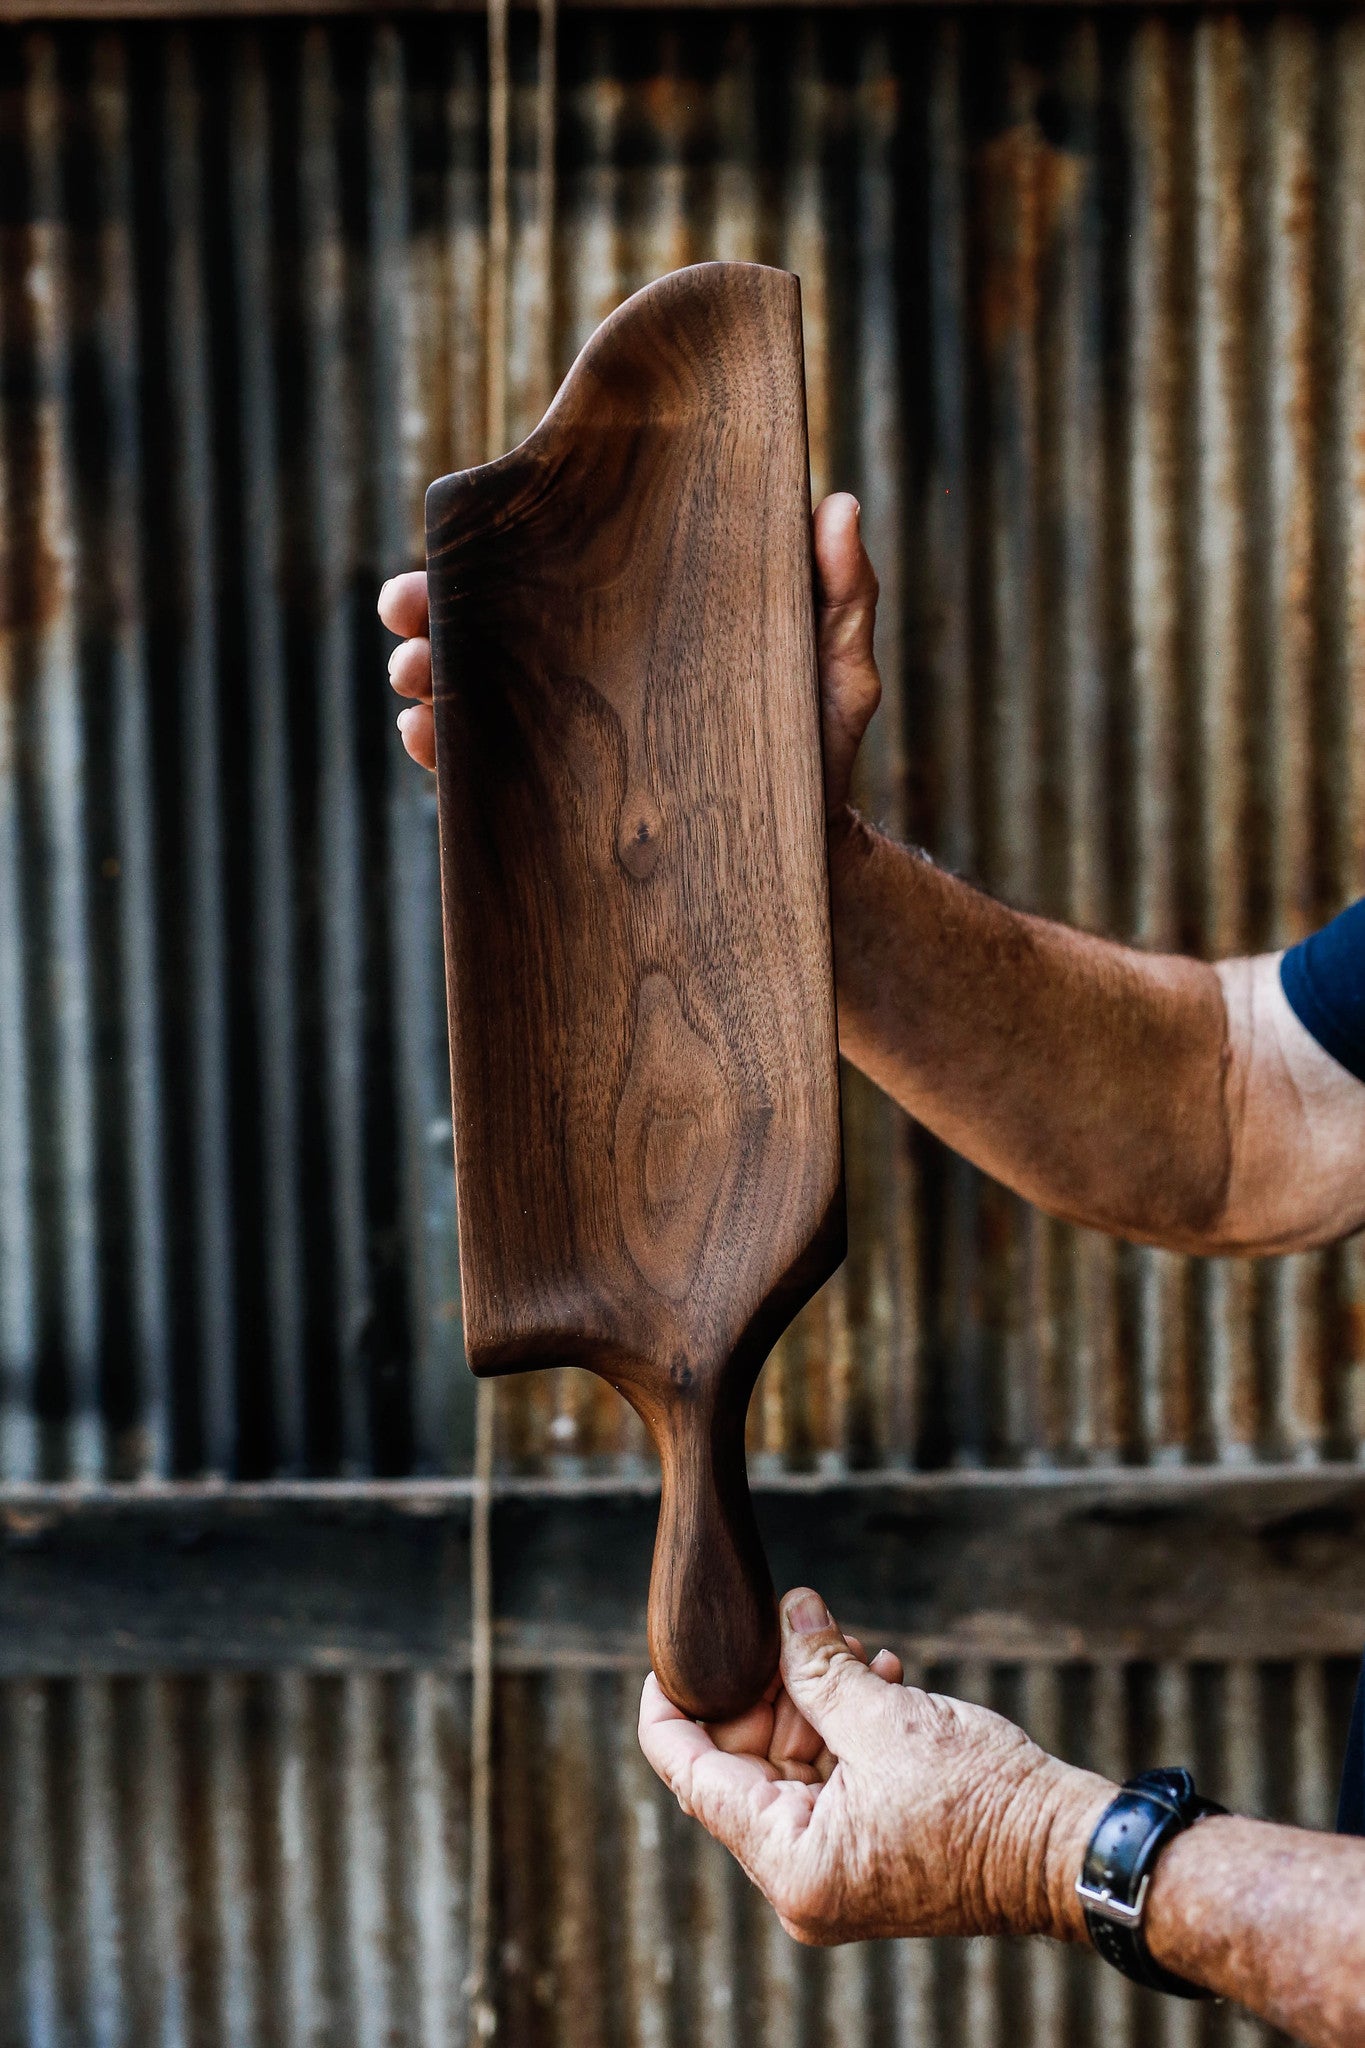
(850, 688)
(861, 1807)
(403, 609)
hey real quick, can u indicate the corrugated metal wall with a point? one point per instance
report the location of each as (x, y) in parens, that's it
(1085, 318)
(237, 1861)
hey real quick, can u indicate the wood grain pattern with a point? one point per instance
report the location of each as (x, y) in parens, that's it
(644, 1068)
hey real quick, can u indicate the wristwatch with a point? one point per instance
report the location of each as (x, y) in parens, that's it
(1132, 1831)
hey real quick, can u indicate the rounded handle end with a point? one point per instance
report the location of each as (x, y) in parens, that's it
(713, 1631)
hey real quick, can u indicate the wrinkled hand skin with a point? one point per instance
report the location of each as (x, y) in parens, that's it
(862, 1807)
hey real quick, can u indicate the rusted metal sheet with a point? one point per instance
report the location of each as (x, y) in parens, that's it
(1085, 320)
(234, 1860)
(280, 1860)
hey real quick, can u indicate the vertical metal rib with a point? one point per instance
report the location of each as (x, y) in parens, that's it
(736, 235)
(364, 1807)
(19, 1456)
(912, 1994)
(718, 2020)
(142, 1126)
(1223, 653)
(61, 878)
(1011, 201)
(664, 226)
(433, 1856)
(1082, 1417)
(101, 1929)
(407, 1127)
(873, 1417)
(209, 1431)
(804, 246)
(34, 1899)
(1151, 620)
(846, 2008)
(271, 842)
(151, 1727)
(334, 485)
(229, 1881)
(297, 1754)
(944, 606)
(649, 1955)
(593, 274)
(1315, 1762)
(1293, 1423)
(776, 1965)
(499, 227)
(1343, 536)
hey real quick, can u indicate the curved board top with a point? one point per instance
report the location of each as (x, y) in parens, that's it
(644, 1063)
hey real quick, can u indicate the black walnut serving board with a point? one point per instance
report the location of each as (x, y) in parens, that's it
(643, 1055)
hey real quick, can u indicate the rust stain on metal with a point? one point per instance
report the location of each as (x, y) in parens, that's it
(1085, 322)
(1028, 188)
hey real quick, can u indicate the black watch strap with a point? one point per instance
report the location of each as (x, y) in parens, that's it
(1112, 1887)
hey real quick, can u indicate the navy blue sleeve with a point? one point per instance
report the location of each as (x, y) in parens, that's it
(1324, 979)
(1351, 1807)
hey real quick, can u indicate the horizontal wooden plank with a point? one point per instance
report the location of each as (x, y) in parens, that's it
(189, 10)
(1134, 1564)
(199, 1579)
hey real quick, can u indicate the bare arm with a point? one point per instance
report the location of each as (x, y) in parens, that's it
(862, 1807)
(1157, 1098)
(1154, 1097)
(1272, 1917)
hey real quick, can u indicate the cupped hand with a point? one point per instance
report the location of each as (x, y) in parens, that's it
(846, 611)
(861, 1807)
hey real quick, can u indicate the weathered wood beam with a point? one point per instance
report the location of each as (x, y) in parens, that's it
(1191, 1564)
(187, 10)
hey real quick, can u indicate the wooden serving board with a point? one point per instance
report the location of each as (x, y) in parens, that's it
(643, 1055)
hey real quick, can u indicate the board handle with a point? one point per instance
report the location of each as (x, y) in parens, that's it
(713, 1634)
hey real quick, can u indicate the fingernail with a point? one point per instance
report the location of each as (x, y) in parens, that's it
(857, 509)
(383, 587)
(393, 658)
(806, 1614)
(404, 716)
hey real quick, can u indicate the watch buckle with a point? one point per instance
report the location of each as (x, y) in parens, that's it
(1100, 1900)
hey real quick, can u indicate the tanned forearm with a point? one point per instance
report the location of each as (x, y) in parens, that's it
(1272, 1917)
(1085, 1075)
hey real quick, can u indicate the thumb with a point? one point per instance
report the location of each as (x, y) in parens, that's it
(843, 1701)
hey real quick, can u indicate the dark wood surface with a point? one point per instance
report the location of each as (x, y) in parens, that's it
(644, 1066)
